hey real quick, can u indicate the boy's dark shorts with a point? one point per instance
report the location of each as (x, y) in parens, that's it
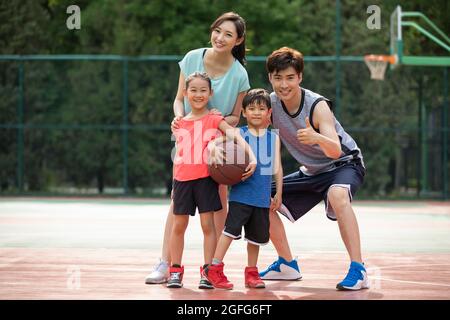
(255, 221)
(201, 193)
(301, 193)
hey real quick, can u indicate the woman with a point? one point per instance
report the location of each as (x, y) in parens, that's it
(224, 63)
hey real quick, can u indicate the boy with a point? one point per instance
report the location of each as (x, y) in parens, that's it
(332, 167)
(250, 200)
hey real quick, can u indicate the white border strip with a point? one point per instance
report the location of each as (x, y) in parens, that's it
(255, 243)
(231, 236)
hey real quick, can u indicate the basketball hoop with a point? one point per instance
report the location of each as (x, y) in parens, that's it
(377, 65)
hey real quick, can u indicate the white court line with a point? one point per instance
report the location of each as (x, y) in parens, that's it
(412, 282)
(409, 266)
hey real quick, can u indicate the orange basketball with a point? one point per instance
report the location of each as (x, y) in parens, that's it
(235, 161)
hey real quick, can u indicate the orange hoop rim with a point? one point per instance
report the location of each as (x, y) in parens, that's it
(392, 59)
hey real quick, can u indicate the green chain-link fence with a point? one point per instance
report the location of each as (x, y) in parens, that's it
(100, 124)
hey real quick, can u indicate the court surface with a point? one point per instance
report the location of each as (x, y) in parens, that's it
(103, 249)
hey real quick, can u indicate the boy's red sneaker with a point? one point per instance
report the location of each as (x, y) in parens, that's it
(214, 274)
(252, 279)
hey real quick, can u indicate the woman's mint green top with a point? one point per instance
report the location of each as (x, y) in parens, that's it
(226, 87)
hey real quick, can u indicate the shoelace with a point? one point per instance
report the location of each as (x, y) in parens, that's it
(175, 276)
(353, 274)
(274, 265)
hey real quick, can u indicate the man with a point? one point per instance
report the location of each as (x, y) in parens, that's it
(332, 167)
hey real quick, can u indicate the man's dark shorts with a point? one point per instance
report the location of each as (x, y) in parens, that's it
(301, 192)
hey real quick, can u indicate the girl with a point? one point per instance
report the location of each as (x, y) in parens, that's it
(192, 186)
(224, 63)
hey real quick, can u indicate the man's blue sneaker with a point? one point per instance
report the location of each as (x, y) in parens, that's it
(282, 270)
(356, 278)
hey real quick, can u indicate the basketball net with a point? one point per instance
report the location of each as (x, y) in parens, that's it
(377, 65)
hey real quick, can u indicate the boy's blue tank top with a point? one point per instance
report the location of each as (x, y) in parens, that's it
(255, 191)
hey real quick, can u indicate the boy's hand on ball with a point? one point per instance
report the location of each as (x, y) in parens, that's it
(249, 171)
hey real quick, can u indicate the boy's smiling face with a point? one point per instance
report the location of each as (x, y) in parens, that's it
(257, 115)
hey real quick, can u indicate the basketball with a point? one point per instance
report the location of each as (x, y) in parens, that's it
(234, 163)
